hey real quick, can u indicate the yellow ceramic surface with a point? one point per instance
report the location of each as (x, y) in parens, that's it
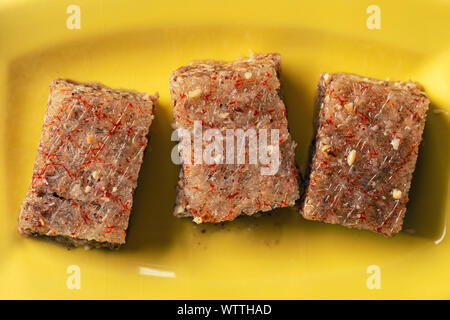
(136, 45)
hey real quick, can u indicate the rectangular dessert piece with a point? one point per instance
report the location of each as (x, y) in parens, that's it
(243, 94)
(366, 148)
(88, 161)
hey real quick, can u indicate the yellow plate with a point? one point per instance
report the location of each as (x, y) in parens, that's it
(280, 255)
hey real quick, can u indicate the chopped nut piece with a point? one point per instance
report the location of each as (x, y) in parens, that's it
(308, 209)
(223, 115)
(95, 175)
(395, 143)
(351, 157)
(396, 194)
(326, 77)
(327, 99)
(327, 149)
(42, 222)
(349, 106)
(179, 209)
(197, 220)
(90, 139)
(114, 189)
(87, 189)
(248, 75)
(195, 93)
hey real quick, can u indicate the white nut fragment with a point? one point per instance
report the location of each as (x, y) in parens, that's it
(396, 194)
(327, 149)
(247, 75)
(269, 149)
(349, 106)
(195, 93)
(307, 209)
(351, 157)
(114, 189)
(76, 190)
(223, 115)
(327, 99)
(90, 139)
(95, 175)
(197, 220)
(179, 209)
(326, 78)
(395, 143)
(87, 189)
